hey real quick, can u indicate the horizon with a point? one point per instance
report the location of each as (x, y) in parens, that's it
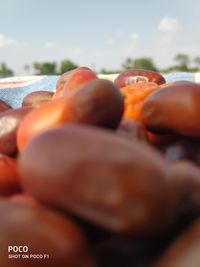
(97, 34)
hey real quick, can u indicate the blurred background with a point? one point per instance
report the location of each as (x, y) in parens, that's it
(51, 37)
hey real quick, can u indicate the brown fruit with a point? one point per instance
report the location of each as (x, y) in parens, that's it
(184, 251)
(100, 177)
(173, 109)
(185, 187)
(131, 129)
(9, 178)
(4, 106)
(99, 102)
(129, 77)
(9, 123)
(57, 239)
(72, 80)
(37, 98)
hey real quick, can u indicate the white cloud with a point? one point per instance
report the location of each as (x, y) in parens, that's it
(50, 44)
(8, 41)
(134, 36)
(168, 24)
(111, 41)
(168, 27)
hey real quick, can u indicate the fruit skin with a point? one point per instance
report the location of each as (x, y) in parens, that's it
(9, 123)
(185, 187)
(9, 178)
(65, 76)
(131, 129)
(100, 177)
(134, 96)
(182, 149)
(72, 80)
(173, 109)
(4, 106)
(44, 232)
(23, 198)
(184, 251)
(99, 102)
(37, 98)
(151, 76)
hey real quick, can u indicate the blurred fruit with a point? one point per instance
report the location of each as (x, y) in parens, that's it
(134, 97)
(9, 178)
(9, 123)
(99, 102)
(160, 140)
(131, 129)
(4, 106)
(72, 80)
(35, 99)
(173, 109)
(45, 233)
(184, 251)
(185, 187)
(100, 177)
(130, 77)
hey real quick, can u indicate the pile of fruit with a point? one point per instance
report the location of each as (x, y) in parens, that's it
(102, 174)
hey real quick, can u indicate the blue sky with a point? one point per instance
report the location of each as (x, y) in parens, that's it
(97, 33)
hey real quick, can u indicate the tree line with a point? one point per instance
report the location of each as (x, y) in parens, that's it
(182, 62)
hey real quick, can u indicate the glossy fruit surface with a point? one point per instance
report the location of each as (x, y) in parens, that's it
(99, 102)
(184, 251)
(9, 123)
(130, 77)
(9, 178)
(103, 178)
(57, 240)
(35, 99)
(173, 109)
(4, 106)
(134, 96)
(72, 80)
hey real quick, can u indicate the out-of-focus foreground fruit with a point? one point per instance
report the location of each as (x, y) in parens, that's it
(100, 177)
(134, 97)
(72, 80)
(4, 106)
(174, 108)
(9, 123)
(46, 233)
(129, 77)
(184, 251)
(9, 178)
(117, 160)
(37, 98)
(98, 102)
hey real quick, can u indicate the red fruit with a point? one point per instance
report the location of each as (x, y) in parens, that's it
(37, 98)
(9, 122)
(98, 102)
(44, 232)
(173, 109)
(129, 77)
(73, 80)
(119, 185)
(9, 180)
(23, 198)
(131, 130)
(4, 106)
(184, 250)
